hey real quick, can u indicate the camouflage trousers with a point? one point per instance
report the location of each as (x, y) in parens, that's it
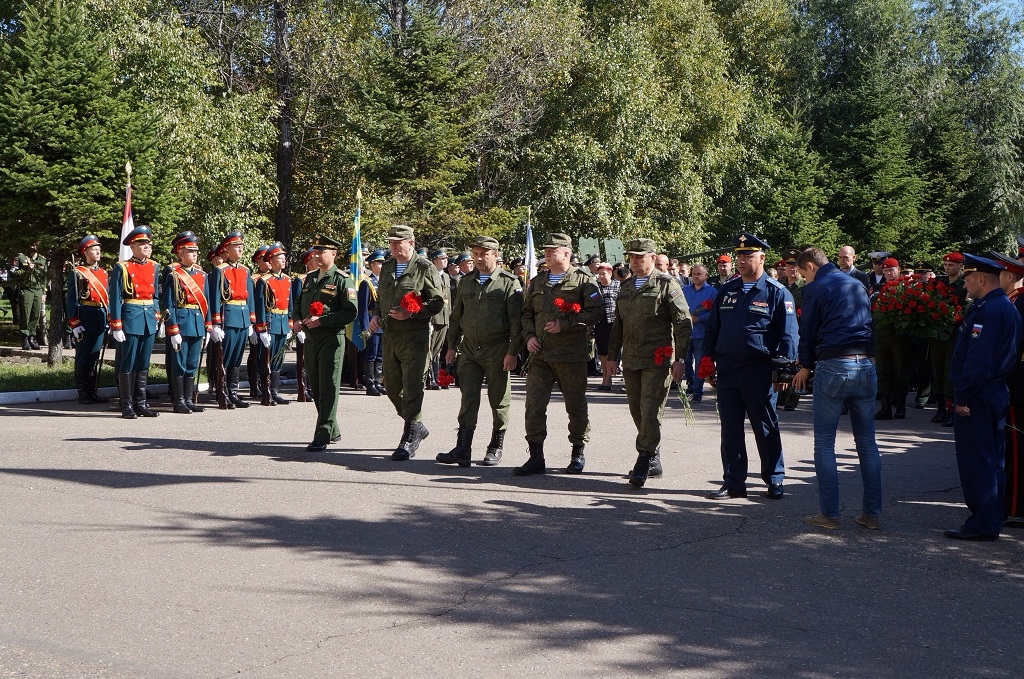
(571, 379)
(647, 392)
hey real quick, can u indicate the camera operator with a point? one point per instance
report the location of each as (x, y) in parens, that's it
(837, 341)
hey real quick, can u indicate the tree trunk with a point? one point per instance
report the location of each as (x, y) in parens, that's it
(285, 148)
(55, 300)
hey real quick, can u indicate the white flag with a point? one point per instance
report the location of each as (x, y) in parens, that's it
(127, 225)
(531, 255)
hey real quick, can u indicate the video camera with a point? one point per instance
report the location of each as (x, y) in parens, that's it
(784, 370)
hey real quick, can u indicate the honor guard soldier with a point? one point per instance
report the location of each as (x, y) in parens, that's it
(486, 329)
(408, 296)
(87, 303)
(273, 318)
(260, 268)
(373, 351)
(439, 322)
(752, 321)
(986, 351)
(326, 306)
(652, 325)
(310, 262)
(134, 289)
(558, 341)
(233, 310)
(186, 303)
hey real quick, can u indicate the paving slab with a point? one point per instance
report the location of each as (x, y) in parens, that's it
(213, 545)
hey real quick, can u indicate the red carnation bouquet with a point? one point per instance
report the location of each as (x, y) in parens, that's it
(316, 309)
(565, 308)
(928, 309)
(706, 370)
(412, 302)
(662, 354)
(444, 378)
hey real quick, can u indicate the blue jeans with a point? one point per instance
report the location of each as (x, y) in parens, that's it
(852, 382)
(694, 352)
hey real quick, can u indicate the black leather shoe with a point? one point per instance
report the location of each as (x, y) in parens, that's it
(725, 493)
(775, 492)
(335, 439)
(961, 534)
(315, 447)
(900, 413)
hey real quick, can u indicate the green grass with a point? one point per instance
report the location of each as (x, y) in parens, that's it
(37, 376)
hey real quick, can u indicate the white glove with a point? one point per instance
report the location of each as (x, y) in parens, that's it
(118, 335)
(78, 331)
(301, 336)
(253, 338)
(216, 334)
(252, 331)
(265, 338)
(175, 342)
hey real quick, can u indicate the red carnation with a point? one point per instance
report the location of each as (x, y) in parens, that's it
(706, 368)
(412, 302)
(316, 309)
(707, 304)
(908, 310)
(444, 378)
(662, 353)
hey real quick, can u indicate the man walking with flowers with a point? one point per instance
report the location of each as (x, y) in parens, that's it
(409, 293)
(559, 305)
(652, 323)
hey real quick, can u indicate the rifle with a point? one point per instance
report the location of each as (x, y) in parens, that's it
(265, 375)
(300, 370)
(220, 385)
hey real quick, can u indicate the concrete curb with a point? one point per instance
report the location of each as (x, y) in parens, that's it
(12, 398)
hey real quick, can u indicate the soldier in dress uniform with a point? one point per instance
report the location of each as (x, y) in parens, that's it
(941, 351)
(652, 330)
(752, 322)
(260, 269)
(465, 263)
(486, 330)
(311, 262)
(233, 309)
(986, 351)
(186, 303)
(406, 335)
(725, 274)
(876, 278)
(87, 303)
(439, 322)
(274, 310)
(558, 340)
(134, 315)
(373, 351)
(30, 277)
(331, 288)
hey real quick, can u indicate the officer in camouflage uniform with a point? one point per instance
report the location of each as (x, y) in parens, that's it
(558, 342)
(31, 281)
(487, 318)
(652, 324)
(325, 336)
(406, 333)
(439, 323)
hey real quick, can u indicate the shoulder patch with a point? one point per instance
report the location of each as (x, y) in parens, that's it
(777, 284)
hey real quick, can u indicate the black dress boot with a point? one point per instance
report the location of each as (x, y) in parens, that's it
(233, 396)
(178, 396)
(578, 460)
(188, 389)
(462, 453)
(940, 414)
(884, 410)
(125, 387)
(378, 377)
(535, 465)
(641, 470)
(275, 389)
(655, 467)
(140, 405)
(93, 386)
(82, 385)
(369, 379)
(494, 448)
(25, 344)
(412, 436)
(901, 410)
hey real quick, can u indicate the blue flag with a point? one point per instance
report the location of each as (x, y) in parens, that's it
(355, 267)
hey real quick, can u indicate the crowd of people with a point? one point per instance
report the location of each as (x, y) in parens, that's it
(656, 322)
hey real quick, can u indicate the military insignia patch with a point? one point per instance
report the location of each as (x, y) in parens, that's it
(351, 293)
(594, 295)
(790, 310)
(976, 331)
(675, 293)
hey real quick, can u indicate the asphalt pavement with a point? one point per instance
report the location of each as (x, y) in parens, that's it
(213, 545)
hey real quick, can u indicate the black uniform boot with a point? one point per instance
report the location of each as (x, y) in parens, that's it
(233, 389)
(178, 396)
(82, 385)
(412, 436)
(535, 465)
(641, 470)
(884, 410)
(578, 460)
(188, 389)
(901, 410)
(25, 344)
(378, 377)
(940, 414)
(369, 379)
(462, 453)
(140, 405)
(125, 387)
(655, 465)
(275, 389)
(947, 419)
(309, 392)
(93, 386)
(494, 448)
